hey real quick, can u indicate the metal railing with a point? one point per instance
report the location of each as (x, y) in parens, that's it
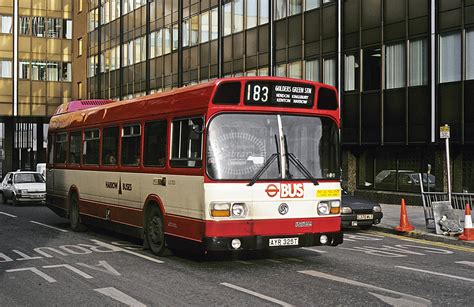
(458, 201)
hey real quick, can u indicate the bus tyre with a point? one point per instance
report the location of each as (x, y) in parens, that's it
(155, 234)
(74, 215)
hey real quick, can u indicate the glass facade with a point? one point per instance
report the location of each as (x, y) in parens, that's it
(395, 90)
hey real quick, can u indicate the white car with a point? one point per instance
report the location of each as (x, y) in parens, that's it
(23, 187)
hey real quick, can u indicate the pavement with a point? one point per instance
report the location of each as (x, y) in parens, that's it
(416, 217)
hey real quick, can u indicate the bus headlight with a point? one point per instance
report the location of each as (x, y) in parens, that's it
(220, 209)
(239, 210)
(323, 208)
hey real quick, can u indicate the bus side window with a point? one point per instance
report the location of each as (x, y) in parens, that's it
(131, 137)
(60, 148)
(90, 152)
(186, 146)
(75, 148)
(110, 142)
(155, 143)
(51, 148)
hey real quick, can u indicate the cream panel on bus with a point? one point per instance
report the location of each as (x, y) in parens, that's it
(108, 187)
(130, 186)
(185, 196)
(264, 199)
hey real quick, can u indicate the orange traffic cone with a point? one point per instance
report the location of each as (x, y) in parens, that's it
(468, 234)
(404, 224)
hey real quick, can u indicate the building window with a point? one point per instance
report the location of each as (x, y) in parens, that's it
(263, 71)
(67, 29)
(312, 4)
(79, 47)
(38, 26)
(6, 24)
(53, 27)
(351, 72)
(185, 33)
(329, 71)
(294, 70)
(67, 72)
(395, 66)
(418, 63)
(280, 70)
(38, 71)
(214, 24)
(450, 57)
(295, 7)
(53, 71)
(372, 69)
(5, 69)
(263, 9)
(470, 54)
(194, 34)
(312, 70)
(24, 25)
(251, 14)
(228, 18)
(204, 27)
(175, 36)
(238, 16)
(280, 9)
(167, 40)
(24, 70)
(79, 90)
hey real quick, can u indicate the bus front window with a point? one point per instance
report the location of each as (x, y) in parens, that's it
(240, 144)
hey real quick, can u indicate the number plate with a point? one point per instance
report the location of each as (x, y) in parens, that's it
(283, 242)
(365, 216)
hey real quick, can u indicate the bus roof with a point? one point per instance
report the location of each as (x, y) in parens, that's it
(185, 100)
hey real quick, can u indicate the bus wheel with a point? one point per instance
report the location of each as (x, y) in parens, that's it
(155, 234)
(74, 215)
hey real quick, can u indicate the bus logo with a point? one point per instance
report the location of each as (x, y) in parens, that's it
(286, 190)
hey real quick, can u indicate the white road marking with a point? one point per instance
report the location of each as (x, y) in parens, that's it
(435, 273)
(470, 263)
(243, 262)
(314, 250)
(52, 227)
(412, 298)
(368, 234)
(127, 251)
(36, 271)
(8, 214)
(399, 302)
(102, 266)
(69, 267)
(120, 296)
(259, 295)
(274, 261)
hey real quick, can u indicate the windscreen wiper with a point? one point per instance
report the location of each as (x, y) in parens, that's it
(267, 164)
(290, 157)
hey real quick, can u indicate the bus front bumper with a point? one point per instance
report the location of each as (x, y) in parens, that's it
(272, 242)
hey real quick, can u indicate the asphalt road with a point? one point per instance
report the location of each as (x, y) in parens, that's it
(40, 266)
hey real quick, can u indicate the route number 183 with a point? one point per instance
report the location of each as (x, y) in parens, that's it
(257, 93)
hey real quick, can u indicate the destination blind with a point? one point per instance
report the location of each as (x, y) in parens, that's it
(279, 94)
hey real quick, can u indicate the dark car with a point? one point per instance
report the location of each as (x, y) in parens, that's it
(358, 212)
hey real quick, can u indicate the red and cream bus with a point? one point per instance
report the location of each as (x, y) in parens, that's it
(241, 163)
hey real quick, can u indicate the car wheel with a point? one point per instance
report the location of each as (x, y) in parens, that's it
(4, 199)
(366, 227)
(74, 215)
(155, 234)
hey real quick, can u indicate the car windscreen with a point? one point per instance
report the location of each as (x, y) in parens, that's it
(28, 178)
(239, 145)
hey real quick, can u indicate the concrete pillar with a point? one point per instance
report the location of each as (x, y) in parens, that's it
(457, 172)
(349, 170)
(40, 151)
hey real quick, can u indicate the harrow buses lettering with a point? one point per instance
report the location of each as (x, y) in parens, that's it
(203, 165)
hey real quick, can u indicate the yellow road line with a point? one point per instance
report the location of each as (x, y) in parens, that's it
(421, 241)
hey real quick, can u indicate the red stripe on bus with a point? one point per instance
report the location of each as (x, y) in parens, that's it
(280, 227)
(119, 214)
